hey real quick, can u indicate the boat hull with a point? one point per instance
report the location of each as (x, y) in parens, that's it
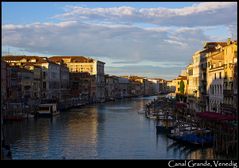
(47, 114)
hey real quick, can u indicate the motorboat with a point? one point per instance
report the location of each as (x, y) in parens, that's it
(48, 110)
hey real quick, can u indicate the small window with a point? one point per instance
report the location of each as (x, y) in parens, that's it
(220, 75)
(44, 85)
(225, 75)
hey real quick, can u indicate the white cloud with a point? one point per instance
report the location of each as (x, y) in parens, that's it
(170, 39)
(126, 42)
(200, 14)
(144, 70)
(233, 31)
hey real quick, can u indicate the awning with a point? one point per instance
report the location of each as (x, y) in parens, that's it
(213, 116)
(181, 105)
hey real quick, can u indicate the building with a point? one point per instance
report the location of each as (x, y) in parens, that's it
(154, 86)
(147, 87)
(215, 75)
(163, 86)
(183, 72)
(93, 89)
(36, 83)
(230, 77)
(83, 64)
(136, 85)
(235, 86)
(171, 88)
(80, 84)
(4, 84)
(180, 80)
(111, 87)
(51, 78)
(64, 78)
(193, 89)
(20, 85)
(123, 87)
(203, 97)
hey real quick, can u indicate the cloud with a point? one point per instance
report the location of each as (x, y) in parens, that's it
(205, 13)
(127, 35)
(142, 70)
(233, 31)
(126, 42)
(125, 62)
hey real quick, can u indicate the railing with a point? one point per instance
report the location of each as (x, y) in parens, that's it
(228, 109)
(228, 92)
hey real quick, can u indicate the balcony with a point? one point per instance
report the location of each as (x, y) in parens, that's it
(228, 93)
(228, 79)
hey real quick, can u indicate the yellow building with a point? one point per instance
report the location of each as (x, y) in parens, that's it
(190, 89)
(215, 75)
(170, 87)
(230, 60)
(176, 82)
(80, 64)
(220, 76)
(193, 74)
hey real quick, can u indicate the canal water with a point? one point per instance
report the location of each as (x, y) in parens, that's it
(113, 130)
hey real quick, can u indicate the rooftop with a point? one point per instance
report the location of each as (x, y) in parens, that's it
(80, 59)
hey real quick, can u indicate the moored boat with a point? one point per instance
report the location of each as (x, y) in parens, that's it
(47, 110)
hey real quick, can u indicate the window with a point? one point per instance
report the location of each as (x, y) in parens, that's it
(225, 75)
(44, 85)
(44, 75)
(220, 75)
(215, 75)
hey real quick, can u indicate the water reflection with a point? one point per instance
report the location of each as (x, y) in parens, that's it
(113, 130)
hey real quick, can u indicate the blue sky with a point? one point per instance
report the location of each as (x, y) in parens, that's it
(26, 12)
(132, 38)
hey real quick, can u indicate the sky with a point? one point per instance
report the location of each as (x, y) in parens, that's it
(150, 39)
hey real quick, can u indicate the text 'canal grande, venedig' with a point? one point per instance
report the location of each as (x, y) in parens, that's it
(112, 130)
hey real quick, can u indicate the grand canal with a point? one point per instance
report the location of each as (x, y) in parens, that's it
(113, 130)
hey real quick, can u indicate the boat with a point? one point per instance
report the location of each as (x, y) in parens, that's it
(13, 118)
(164, 129)
(141, 112)
(6, 153)
(193, 138)
(47, 110)
(165, 126)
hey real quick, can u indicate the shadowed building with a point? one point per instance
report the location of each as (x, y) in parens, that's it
(83, 64)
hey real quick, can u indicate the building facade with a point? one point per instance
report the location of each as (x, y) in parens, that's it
(83, 64)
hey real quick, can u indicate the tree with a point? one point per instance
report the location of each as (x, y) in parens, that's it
(181, 87)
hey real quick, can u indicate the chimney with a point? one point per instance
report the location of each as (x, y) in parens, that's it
(228, 41)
